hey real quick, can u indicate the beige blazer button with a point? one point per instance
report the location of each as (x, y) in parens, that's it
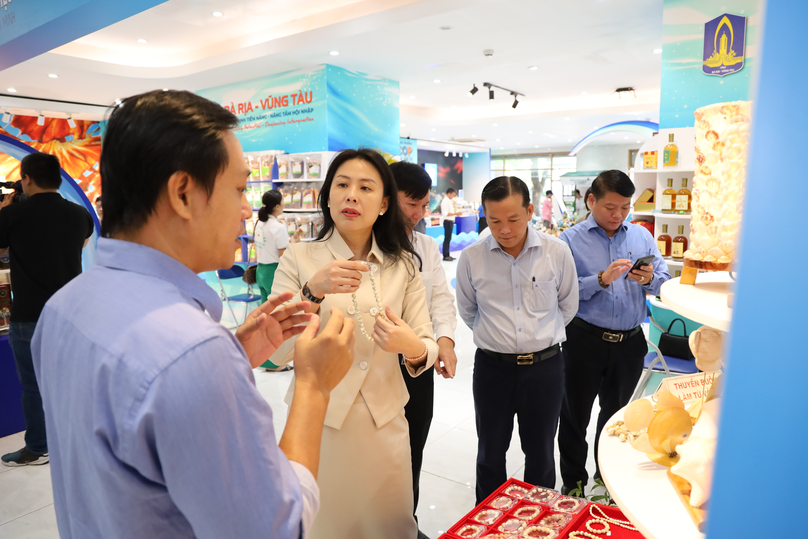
(363, 365)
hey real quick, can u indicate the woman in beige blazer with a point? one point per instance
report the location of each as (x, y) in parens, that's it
(363, 264)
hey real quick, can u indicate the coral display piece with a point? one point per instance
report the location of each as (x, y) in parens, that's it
(722, 139)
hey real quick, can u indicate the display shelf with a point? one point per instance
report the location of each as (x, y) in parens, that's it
(684, 216)
(704, 302)
(672, 262)
(642, 490)
(298, 210)
(304, 180)
(641, 213)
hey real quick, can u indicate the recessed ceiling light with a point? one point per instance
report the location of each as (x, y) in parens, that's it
(501, 148)
(569, 140)
(436, 81)
(12, 90)
(53, 76)
(433, 138)
(535, 146)
(334, 53)
(567, 118)
(498, 140)
(494, 125)
(519, 143)
(454, 106)
(583, 93)
(625, 138)
(530, 132)
(657, 51)
(533, 68)
(217, 14)
(143, 41)
(638, 142)
(433, 129)
(402, 125)
(412, 97)
(445, 27)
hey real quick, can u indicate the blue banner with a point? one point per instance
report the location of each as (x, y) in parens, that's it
(724, 45)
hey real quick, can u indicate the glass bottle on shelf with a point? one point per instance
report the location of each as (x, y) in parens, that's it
(670, 157)
(679, 245)
(668, 197)
(683, 198)
(664, 243)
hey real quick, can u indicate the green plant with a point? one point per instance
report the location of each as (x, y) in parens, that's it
(604, 499)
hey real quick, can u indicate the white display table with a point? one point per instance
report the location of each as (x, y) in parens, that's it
(642, 490)
(704, 302)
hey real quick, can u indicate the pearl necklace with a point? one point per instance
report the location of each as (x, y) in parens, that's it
(604, 518)
(354, 307)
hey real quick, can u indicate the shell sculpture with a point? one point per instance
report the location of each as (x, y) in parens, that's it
(705, 343)
(665, 430)
(698, 454)
(722, 139)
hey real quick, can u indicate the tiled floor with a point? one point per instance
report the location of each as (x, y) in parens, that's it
(447, 477)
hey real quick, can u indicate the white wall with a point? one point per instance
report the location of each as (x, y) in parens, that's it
(476, 174)
(605, 157)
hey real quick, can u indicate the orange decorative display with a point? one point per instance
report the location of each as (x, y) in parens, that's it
(78, 151)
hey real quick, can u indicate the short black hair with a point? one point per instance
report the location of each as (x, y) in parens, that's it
(504, 186)
(548, 192)
(43, 169)
(450, 190)
(269, 201)
(612, 181)
(577, 192)
(148, 138)
(411, 179)
(586, 198)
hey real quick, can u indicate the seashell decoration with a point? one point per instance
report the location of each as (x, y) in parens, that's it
(722, 140)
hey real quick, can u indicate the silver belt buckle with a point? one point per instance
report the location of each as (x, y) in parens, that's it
(524, 360)
(612, 337)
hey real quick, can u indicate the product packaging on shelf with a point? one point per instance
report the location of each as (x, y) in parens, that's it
(296, 165)
(283, 168)
(313, 164)
(518, 510)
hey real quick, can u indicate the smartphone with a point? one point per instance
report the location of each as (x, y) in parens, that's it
(642, 261)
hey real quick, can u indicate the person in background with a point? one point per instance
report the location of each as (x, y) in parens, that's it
(583, 216)
(363, 263)
(517, 290)
(45, 235)
(547, 210)
(580, 205)
(271, 239)
(99, 208)
(158, 428)
(605, 346)
(448, 214)
(413, 184)
(482, 224)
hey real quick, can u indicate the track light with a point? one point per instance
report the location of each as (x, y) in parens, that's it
(490, 94)
(6, 116)
(473, 90)
(71, 122)
(40, 120)
(446, 153)
(515, 100)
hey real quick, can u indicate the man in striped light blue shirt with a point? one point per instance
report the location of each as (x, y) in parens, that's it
(606, 346)
(517, 290)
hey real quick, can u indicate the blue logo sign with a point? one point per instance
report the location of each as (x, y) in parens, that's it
(724, 45)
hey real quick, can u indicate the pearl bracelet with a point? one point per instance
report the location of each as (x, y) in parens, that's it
(416, 359)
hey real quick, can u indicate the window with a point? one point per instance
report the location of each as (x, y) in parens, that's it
(540, 172)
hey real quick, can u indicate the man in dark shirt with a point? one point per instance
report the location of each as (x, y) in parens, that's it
(45, 235)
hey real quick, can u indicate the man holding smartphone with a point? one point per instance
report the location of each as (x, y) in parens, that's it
(605, 347)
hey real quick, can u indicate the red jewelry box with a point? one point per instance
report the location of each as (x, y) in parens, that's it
(468, 528)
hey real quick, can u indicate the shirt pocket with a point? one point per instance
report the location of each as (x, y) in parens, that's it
(543, 297)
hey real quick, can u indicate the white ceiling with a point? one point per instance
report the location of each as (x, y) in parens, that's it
(578, 46)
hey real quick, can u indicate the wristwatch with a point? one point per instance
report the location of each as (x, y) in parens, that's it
(309, 296)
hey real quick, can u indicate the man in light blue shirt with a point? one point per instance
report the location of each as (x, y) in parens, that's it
(605, 344)
(156, 428)
(517, 290)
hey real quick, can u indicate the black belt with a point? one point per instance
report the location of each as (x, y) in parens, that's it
(526, 359)
(608, 335)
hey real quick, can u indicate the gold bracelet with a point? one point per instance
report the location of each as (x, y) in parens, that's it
(416, 359)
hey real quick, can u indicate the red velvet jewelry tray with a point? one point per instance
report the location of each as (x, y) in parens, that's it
(616, 531)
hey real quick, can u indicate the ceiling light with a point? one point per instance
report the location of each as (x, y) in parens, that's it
(657, 51)
(474, 136)
(473, 90)
(433, 129)
(433, 138)
(6, 116)
(446, 153)
(402, 125)
(467, 156)
(334, 53)
(583, 93)
(71, 122)
(53, 76)
(567, 118)
(142, 41)
(625, 138)
(638, 142)
(515, 102)
(12, 90)
(501, 148)
(519, 143)
(165, 89)
(490, 94)
(217, 13)
(494, 125)
(436, 81)
(445, 27)
(533, 68)
(530, 132)
(536, 146)
(498, 140)
(454, 154)
(569, 140)
(454, 106)
(412, 97)
(40, 120)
